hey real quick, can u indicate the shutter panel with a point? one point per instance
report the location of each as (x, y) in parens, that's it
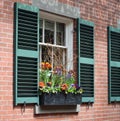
(26, 60)
(86, 59)
(114, 64)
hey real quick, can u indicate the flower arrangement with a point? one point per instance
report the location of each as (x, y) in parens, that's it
(57, 80)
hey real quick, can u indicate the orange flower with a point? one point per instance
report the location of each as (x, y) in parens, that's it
(43, 65)
(46, 65)
(64, 87)
(41, 84)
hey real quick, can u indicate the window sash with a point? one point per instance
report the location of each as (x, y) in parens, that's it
(55, 45)
(54, 59)
(54, 30)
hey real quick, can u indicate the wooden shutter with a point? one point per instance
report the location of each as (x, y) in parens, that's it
(85, 40)
(114, 64)
(26, 54)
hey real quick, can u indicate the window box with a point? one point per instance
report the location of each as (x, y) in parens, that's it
(60, 99)
(58, 87)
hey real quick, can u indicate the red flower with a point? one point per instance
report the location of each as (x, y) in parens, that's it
(64, 87)
(41, 84)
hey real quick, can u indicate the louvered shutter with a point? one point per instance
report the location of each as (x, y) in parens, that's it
(85, 40)
(26, 54)
(114, 64)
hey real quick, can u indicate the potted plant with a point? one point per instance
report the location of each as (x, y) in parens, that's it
(58, 86)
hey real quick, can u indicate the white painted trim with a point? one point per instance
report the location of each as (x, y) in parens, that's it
(52, 45)
(69, 44)
(54, 17)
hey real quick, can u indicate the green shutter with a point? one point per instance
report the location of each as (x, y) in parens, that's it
(85, 38)
(26, 54)
(114, 64)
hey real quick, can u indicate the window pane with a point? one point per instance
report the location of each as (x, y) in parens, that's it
(46, 54)
(59, 57)
(41, 30)
(60, 34)
(49, 32)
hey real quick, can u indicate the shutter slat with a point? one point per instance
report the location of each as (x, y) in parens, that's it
(27, 47)
(26, 75)
(26, 43)
(27, 22)
(30, 83)
(22, 12)
(86, 37)
(115, 82)
(27, 36)
(28, 26)
(84, 34)
(28, 33)
(87, 49)
(27, 29)
(26, 71)
(115, 42)
(26, 54)
(86, 40)
(26, 79)
(86, 27)
(27, 40)
(87, 80)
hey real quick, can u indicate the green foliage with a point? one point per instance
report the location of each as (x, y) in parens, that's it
(57, 81)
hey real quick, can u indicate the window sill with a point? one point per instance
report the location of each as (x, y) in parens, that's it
(56, 109)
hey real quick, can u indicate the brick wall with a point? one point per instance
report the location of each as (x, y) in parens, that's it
(102, 13)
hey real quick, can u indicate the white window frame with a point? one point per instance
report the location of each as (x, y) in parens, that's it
(68, 35)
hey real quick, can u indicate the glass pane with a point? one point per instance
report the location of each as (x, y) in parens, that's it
(46, 54)
(60, 34)
(49, 32)
(41, 30)
(59, 57)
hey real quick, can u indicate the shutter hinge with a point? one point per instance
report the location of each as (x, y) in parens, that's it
(23, 107)
(89, 104)
(115, 102)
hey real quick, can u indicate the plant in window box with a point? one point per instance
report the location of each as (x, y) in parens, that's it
(58, 87)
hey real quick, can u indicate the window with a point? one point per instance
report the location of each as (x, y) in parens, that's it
(114, 64)
(56, 40)
(86, 59)
(38, 37)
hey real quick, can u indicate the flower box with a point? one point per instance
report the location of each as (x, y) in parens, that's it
(60, 99)
(73, 99)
